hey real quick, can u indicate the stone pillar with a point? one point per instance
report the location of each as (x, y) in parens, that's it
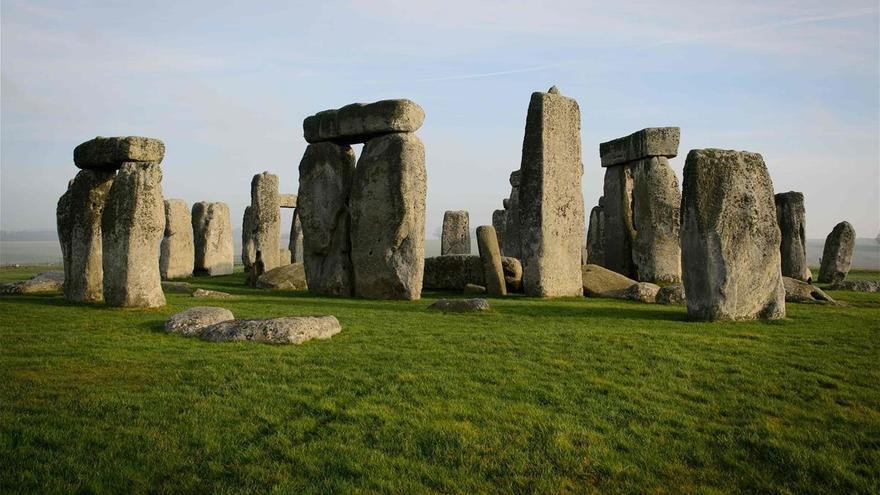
(266, 217)
(730, 238)
(295, 244)
(248, 253)
(490, 255)
(499, 221)
(595, 235)
(177, 253)
(837, 254)
(790, 215)
(212, 236)
(551, 203)
(456, 236)
(618, 229)
(511, 246)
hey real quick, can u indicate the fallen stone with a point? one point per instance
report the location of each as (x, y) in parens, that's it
(109, 153)
(671, 294)
(43, 282)
(802, 292)
(455, 237)
(650, 142)
(211, 294)
(286, 330)
(212, 238)
(837, 254)
(177, 287)
(177, 251)
(288, 277)
(645, 292)
(858, 285)
(287, 200)
(359, 122)
(474, 289)
(601, 282)
(192, 320)
(790, 215)
(460, 305)
(490, 255)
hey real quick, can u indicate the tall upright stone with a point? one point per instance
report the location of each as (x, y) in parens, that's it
(212, 238)
(511, 240)
(388, 218)
(266, 217)
(490, 256)
(248, 253)
(326, 172)
(595, 235)
(295, 245)
(730, 238)
(791, 216)
(455, 237)
(551, 204)
(837, 254)
(79, 215)
(499, 222)
(177, 253)
(132, 226)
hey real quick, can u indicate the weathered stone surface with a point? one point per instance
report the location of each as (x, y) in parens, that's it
(248, 253)
(499, 221)
(452, 272)
(460, 305)
(265, 223)
(388, 218)
(286, 330)
(656, 203)
(837, 255)
(288, 277)
(325, 176)
(287, 200)
(515, 178)
(802, 292)
(132, 226)
(177, 287)
(295, 245)
(490, 255)
(647, 143)
(455, 238)
(177, 252)
(551, 203)
(791, 217)
(109, 153)
(596, 237)
(192, 320)
(618, 230)
(858, 285)
(79, 230)
(211, 294)
(512, 240)
(284, 257)
(671, 294)
(512, 273)
(359, 122)
(212, 237)
(601, 282)
(645, 292)
(730, 238)
(474, 289)
(43, 282)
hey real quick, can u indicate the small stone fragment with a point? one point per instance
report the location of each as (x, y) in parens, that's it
(802, 292)
(211, 294)
(460, 305)
(645, 292)
(192, 320)
(474, 289)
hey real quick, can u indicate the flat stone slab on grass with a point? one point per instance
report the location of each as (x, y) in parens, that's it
(802, 292)
(192, 320)
(109, 153)
(474, 289)
(475, 305)
(858, 285)
(602, 282)
(288, 277)
(43, 282)
(285, 330)
(177, 287)
(211, 294)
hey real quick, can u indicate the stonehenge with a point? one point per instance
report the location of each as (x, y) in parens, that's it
(212, 239)
(596, 235)
(177, 252)
(490, 256)
(108, 154)
(499, 221)
(263, 235)
(837, 254)
(295, 245)
(790, 215)
(730, 238)
(511, 239)
(359, 122)
(455, 238)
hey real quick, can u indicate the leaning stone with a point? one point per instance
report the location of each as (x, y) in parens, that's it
(192, 320)
(460, 305)
(325, 175)
(212, 236)
(602, 282)
(455, 238)
(177, 287)
(790, 215)
(388, 218)
(551, 203)
(499, 220)
(288, 277)
(286, 330)
(132, 226)
(359, 122)
(210, 294)
(176, 253)
(43, 282)
(109, 153)
(645, 292)
(647, 143)
(295, 245)
(512, 273)
(837, 255)
(656, 203)
(490, 255)
(858, 285)
(595, 236)
(453, 271)
(730, 238)
(266, 224)
(671, 294)
(287, 200)
(802, 292)
(474, 289)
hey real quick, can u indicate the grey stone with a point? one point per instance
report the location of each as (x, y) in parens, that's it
(791, 216)
(599, 281)
(211, 294)
(43, 282)
(618, 230)
(388, 218)
(109, 153)
(490, 255)
(295, 245)
(551, 203)
(287, 200)
(132, 226)
(645, 292)
(596, 237)
(192, 320)
(512, 273)
(656, 203)
(511, 240)
(266, 224)
(474, 289)
(455, 238)
(212, 238)
(802, 292)
(288, 277)
(730, 238)
(837, 255)
(650, 142)
(284, 257)
(286, 330)
(248, 253)
(325, 176)
(499, 221)
(515, 178)
(177, 252)
(858, 285)
(452, 272)
(460, 305)
(177, 287)
(671, 294)
(359, 122)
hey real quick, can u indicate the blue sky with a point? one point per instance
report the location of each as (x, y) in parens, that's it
(226, 85)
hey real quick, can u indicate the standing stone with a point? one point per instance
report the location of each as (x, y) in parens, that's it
(212, 236)
(595, 236)
(295, 245)
(617, 228)
(490, 255)
(499, 222)
(730, 238)
(656, 203)
(325, 175)
(132, 226)
(388, 218)
(176, 253)
(79, 229)
(791, 216)
(248, 253)
(511, 246)
(551, 203)
(266, 217)
(456, 236)
(837, 255)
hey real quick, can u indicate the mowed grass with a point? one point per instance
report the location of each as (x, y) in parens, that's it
(538, 396)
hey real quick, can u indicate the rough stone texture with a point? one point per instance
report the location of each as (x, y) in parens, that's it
(601, 282)
(212, 237)
(177, 287)
(248, 253)
(43, 282)
(284, 257)
(596, 237)
(499, 221)
(858, 285)
(791, 217)
(109, 153)
(211, 294)
(460, 305)
(265, 223)
(388, 218)
(837, 255)
(325, 176)
(132, 226)
(359, 122)
(650, 142)
(79, 230)
(192, 320)
(490, 255)
(730, 238)
(512, 239)
(286, 330)
(618, 230)
(452, 272)
(671, 294)
(295, 245)
(802, 292)
(656, 203)
(288, 277)
(512, 273)
(474, 289)
(177, 252)
(645, 292)
(287, 200)
(551, 203)
(455, 238)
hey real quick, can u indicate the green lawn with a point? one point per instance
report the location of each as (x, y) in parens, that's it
(561, 396)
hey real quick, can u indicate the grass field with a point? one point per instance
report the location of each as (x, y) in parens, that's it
(561, 396)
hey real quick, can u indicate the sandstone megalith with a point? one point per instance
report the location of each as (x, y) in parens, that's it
(109, 153)
(596, 236)
(837, 254)
(490, 256)
(455, 237)
(511, 240)
(212, 236)
(263, 235)
(359, 122)
(499, 222)
(790, 215)
(295, 245)
(177, 253)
